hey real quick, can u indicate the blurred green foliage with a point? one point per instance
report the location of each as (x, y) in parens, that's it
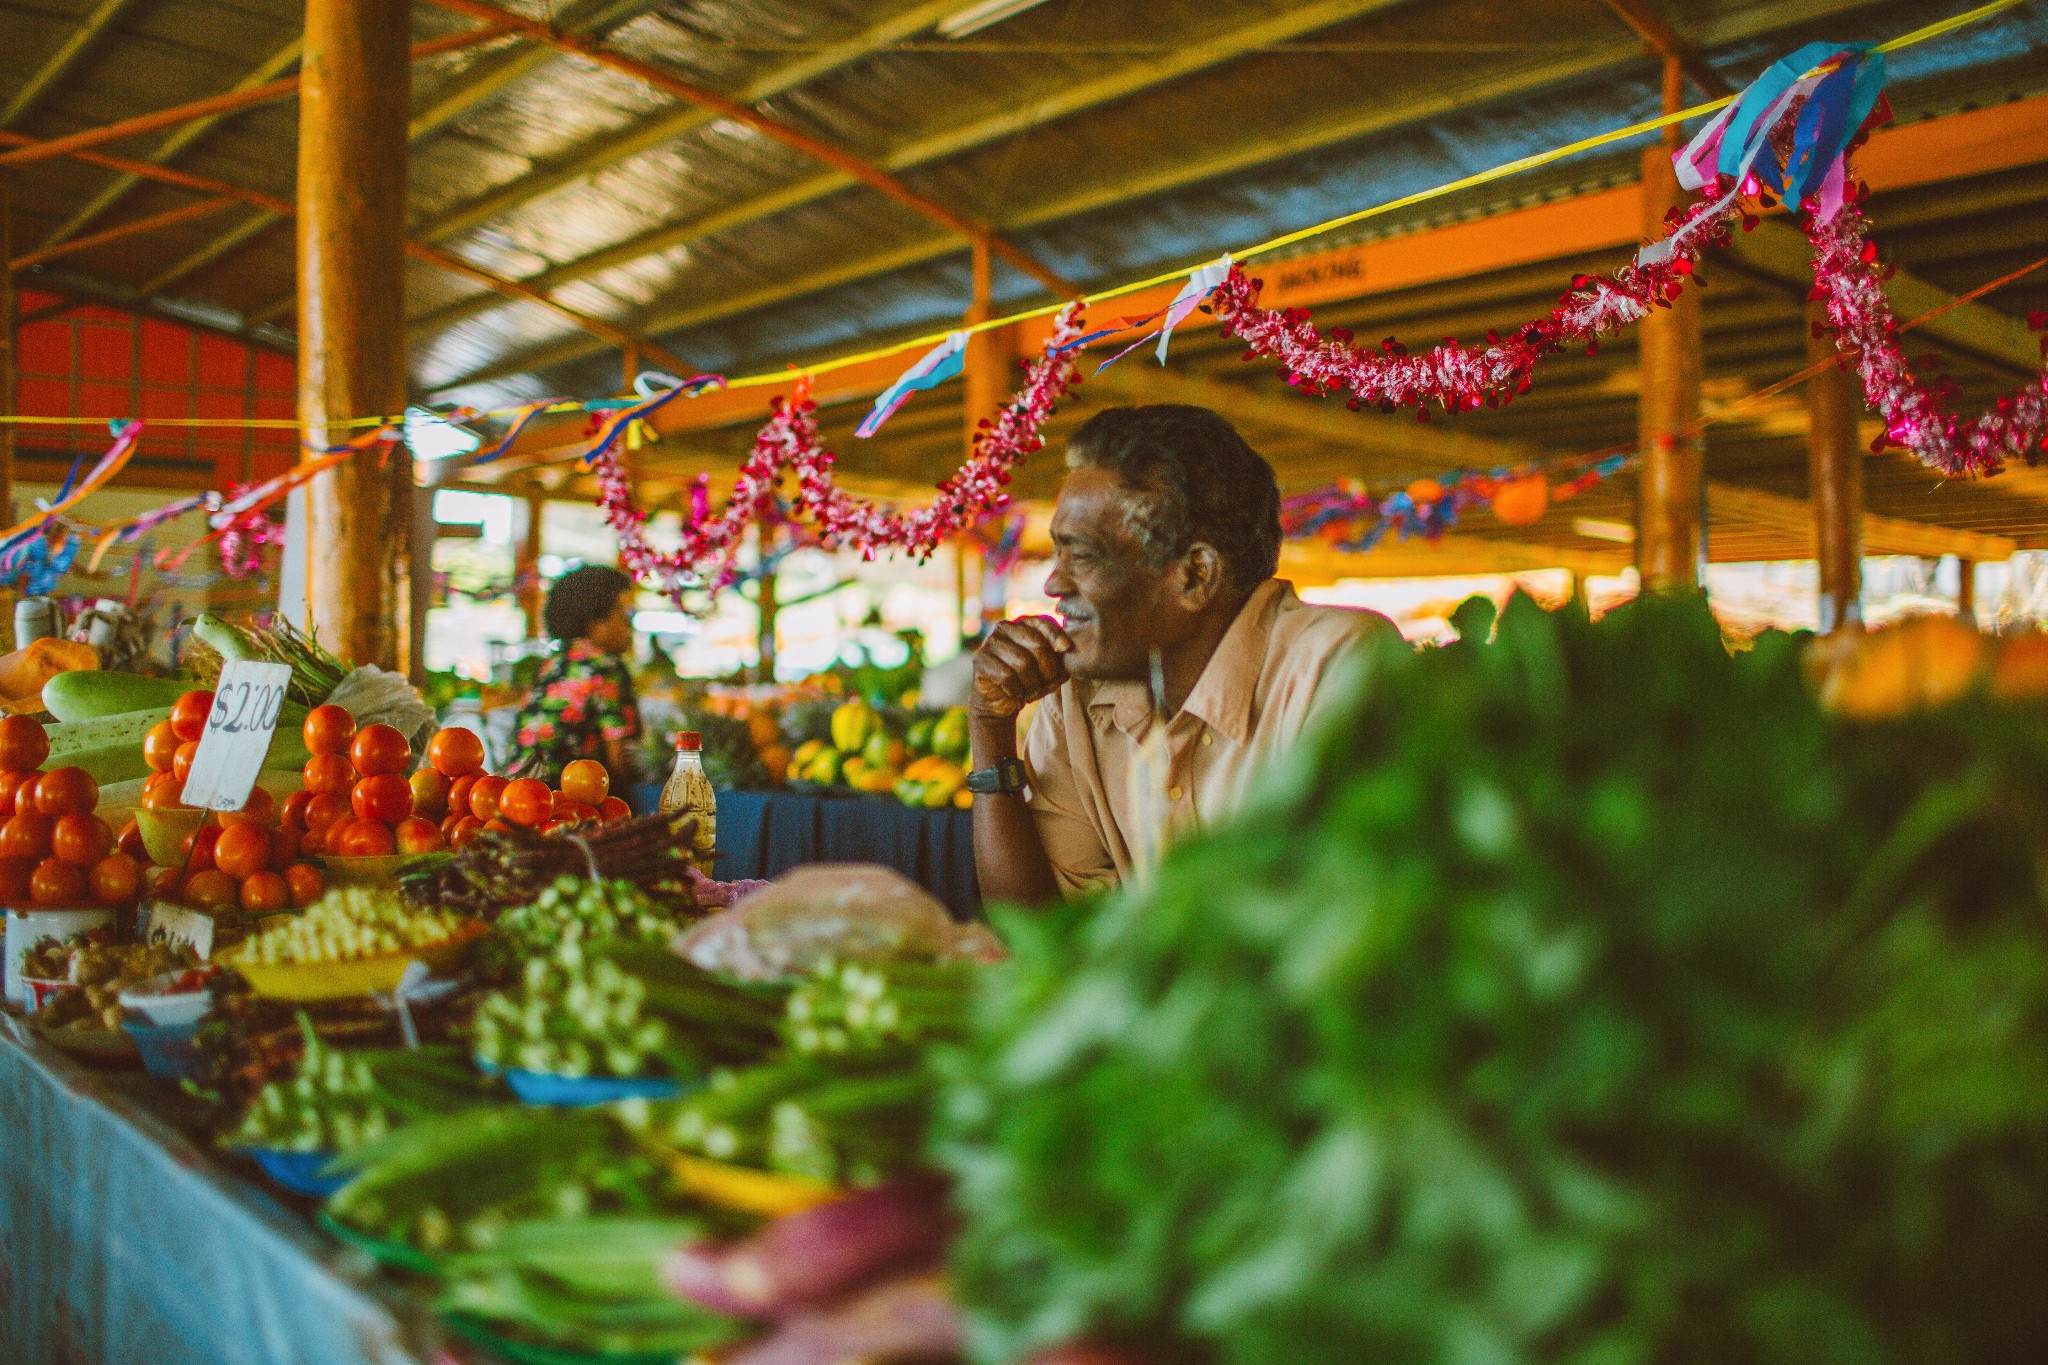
(1585, 995)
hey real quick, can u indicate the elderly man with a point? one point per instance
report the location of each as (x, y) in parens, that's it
(1178, 663)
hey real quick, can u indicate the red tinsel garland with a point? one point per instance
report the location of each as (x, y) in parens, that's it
(790, 441)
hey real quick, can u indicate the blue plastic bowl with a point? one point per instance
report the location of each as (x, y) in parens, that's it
(298, 1172)
(577, 1092)
(167, 1050)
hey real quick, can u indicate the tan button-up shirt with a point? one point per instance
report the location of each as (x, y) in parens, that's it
(1108, 794)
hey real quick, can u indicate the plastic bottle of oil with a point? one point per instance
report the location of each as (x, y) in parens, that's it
(689, 790)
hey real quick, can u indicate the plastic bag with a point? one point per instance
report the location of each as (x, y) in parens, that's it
(836, 912)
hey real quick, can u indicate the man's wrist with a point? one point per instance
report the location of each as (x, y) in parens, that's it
(990, 739)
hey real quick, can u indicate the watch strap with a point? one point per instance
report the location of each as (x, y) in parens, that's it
(1006, 777)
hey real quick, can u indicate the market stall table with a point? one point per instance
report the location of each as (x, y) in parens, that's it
(763, 834)
(122, 1241)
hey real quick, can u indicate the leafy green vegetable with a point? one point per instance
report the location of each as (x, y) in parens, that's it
(1583, 995)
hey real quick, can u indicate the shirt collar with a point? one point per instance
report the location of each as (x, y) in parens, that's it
(1222, 698)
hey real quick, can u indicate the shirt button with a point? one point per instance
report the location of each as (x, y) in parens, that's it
(1207, 739)
(1173, 793)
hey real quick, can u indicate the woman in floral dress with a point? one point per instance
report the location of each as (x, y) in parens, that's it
(583, 705)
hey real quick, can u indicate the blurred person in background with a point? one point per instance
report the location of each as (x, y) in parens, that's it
(583, 704)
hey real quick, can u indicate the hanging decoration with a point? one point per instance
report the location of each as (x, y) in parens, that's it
(1350, 517)
(790, 443)
(943, 362)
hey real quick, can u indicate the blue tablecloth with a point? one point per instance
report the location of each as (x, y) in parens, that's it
(764, 834)
(121, 1242)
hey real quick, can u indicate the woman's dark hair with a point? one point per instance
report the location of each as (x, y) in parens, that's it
(1196, 482)
(581, 598)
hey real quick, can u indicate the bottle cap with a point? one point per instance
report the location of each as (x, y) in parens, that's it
(688, 741)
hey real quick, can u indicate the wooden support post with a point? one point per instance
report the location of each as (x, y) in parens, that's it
(354, 98)
(1669, 489)
(764, 668)
(1835, 476)
(526, 569)
(7, 362)
(419, 578)
(1966, 591)
(990, 355)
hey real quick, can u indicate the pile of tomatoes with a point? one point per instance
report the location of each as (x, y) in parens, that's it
(169, 748)
(53, 849)
(358, 802)
(453, 786)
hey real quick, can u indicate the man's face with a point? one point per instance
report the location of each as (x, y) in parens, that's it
(1114, 608)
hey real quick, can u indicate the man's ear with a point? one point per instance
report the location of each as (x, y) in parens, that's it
(1201, 576)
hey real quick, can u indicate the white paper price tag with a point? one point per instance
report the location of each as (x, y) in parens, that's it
(168, 923)
(246, 703)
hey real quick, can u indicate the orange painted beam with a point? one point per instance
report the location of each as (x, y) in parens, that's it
(836, 157)
(135, 229)
(282, 88)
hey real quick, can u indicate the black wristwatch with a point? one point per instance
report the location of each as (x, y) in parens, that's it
(1006, 778)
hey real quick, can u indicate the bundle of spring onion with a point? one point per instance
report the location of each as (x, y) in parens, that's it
(595, 909)
(340, 1100)
(615, 1007)
(592, 1284)
(315, 672)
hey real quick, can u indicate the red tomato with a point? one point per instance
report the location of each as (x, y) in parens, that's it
(578, 812)
(496, 825)
(199, 846)
(284, 849)
(14, 878)
(329, 773)
(265, 893)
(612, 808)
(163, 881)
(325, 810)
(160, 791)
(293, 813)
(464, 834)
(66, 791)
(241, 851)
(24, 745)
(56, 882)
(25, 836)
(188, 715)
(586, 781)
(557, 825)
(81, 839)
(305, 882)
(430, 792)
(379, 749)
(526, 802)
(417, 834)
(449, 822)
(367, 839)
(181, 761)
(259, 810)
(313, 842)
(329, 730)
(458, 794)
(160, 746)
(212, 889)
(115, 879)
(129, 841)
(483, 797)
(386, 798)
(12, 782)
(455, 752)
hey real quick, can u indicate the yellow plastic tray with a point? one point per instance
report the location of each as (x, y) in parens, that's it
(306, 981)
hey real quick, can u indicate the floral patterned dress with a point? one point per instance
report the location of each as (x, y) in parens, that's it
(583, 697)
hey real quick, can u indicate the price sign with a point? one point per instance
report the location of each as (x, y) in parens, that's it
(246, 703)
(164, 922)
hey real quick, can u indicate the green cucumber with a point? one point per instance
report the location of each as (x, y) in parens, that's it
(230, 643)
(89, 694)
(110, 747)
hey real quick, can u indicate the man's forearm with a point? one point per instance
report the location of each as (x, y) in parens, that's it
(1009, 855)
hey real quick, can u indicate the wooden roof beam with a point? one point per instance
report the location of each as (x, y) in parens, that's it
(138, 227)
(1881, 535)
(839, 159)
(229, 102)
(1124, 186)
(1663, 40)
(271, 68)
(609, 333)
(1006, 122)
(89, 31)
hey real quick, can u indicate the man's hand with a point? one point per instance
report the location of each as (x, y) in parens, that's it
(1017, 664)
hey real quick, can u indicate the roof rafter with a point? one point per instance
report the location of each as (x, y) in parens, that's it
(671, 84)
(1665, 41)
(89, 31)
(1070, 99)
(271, 68)
(1121, 188)
(139, 226)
